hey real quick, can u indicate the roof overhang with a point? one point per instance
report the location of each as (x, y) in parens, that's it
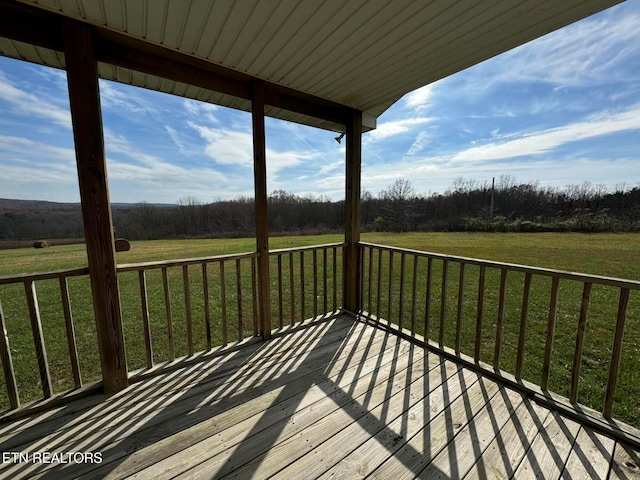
(319, 60)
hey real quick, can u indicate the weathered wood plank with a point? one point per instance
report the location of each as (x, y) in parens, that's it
(239, 298)
(616, 353)
(207, 311)
(187, 307)
(223, 304)
(280, 292)
(261, 204)
(551, 328)
(146, 327)
(524, 312)
(271, 450)
(7, 363)
(500, 322)
(379, 286)
(335, 279)
(577, 355)
(625, 463)
(247, 428)
(167, 306)
(506, 451)
(38, 338)
(414, 294)
(550, 449)
(292, 289)
(460, 307)
(443, 302)
(401, 295)
(71, 334)
(84, 100)
(423, 447)
(427, 299)
(325, 293)
(479, 313)
(467, 447)
(315, 283)
(341, 457)
(590, 457)
(351, 256)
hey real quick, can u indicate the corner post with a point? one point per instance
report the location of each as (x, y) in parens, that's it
(84, 98)
(262, 219)
(352, 268)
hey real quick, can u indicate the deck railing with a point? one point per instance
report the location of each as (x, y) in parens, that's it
(309, 282)
(172, 311)
(482, 311)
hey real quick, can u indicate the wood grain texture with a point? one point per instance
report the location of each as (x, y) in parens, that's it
(261, 203)
(38, 338)
(351, 269)
(338, 399)
(84, 100)
(7, 363)
(71, 334)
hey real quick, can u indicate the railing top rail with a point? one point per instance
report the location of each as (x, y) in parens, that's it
(310, 247)
(582, 277)
(32, 277)
(131, 267)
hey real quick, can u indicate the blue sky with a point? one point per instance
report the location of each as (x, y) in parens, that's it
(564, 109)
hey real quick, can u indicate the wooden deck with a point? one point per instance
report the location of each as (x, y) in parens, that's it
(340, 399)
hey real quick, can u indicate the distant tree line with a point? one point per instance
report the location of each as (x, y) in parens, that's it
(468, 205)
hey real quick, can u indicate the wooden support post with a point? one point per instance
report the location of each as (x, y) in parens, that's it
(84, 98)
(262, 221)
(352, 270)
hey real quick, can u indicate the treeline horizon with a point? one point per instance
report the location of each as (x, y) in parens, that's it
(468, 205)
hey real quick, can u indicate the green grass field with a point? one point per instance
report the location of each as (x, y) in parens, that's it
(615, 255)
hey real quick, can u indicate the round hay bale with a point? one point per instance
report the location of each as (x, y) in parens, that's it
(122, 245)
(41, 244)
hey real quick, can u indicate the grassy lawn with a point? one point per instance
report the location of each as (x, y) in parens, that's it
(615, 255)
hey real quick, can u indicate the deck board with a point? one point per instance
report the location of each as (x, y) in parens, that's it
(339, 399)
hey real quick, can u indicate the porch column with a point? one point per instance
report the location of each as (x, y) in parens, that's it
(84, 98)
(352, 267)
(262, 220)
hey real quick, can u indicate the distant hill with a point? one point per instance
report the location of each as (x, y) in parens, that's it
(9, 204)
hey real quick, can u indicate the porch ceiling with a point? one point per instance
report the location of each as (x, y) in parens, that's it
(364, 54)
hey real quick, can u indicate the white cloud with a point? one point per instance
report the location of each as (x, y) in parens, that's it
(419, 99)
(544, 141)
(395, 127)
(27, 103)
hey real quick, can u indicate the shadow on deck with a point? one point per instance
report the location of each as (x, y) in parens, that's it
(337, 399)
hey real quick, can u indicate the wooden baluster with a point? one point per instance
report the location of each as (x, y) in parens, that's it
(390, 317)
(479, 314)
(187, 307)
(616, 353)
(427, 299)
(223, 304)
(292, 289)
(551, 327)
(324, 281)
(38, 339)
(144, 302)
(280, 316)
(379, 284)
(167, 305)
(443, 302)
(500, 323)
(402, 274)
(370, 281)
(71, 334)
(460, 307)
(7, 364)
(207, 314)
(414, 290)
(315, 283)
(523, 324)
(254, 296)
(335, 279)
(577, 356)
(239, 298)
(302, 279)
